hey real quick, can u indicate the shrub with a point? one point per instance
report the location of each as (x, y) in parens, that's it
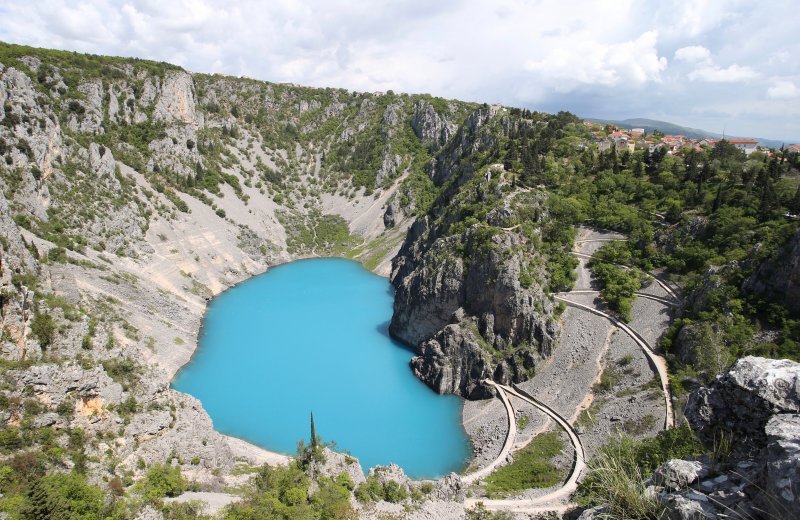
(57, 254)
(616, 480)
(394, 492)
(616, 476)
(43, 327)
(161, 480)
(63, 496)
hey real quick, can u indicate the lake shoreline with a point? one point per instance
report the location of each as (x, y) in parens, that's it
(378, 372)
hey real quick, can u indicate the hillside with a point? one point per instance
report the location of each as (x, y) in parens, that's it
(133, 192)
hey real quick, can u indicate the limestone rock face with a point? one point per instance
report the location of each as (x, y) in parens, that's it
(177, 101)
(779, 278)
(53, 384)
(452, 362)
(430, 127)
(185, 431)
(460, 302)
(743, 400)
(783, 465)
(755, 406)
(469, 139)
(389, 166)
(89, 118)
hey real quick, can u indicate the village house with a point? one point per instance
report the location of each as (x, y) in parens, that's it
(746, 145)
(637, 132)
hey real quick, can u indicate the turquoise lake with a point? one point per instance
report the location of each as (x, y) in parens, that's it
(312, 335)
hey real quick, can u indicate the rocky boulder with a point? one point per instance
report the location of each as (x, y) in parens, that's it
(679, 474)
(755, 407)
(743, 400)
(782, 487)
(453, 362)
(332, 464)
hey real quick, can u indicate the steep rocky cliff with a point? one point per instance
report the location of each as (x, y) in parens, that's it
(471, 276)
(131, 192)
(778, 278)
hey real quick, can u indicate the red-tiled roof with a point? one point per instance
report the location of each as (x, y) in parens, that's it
(743, 141)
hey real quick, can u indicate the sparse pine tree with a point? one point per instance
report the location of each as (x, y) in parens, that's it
(313, 433)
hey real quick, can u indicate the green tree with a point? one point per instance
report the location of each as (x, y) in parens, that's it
(62, 496)
(313, 433)
(43, 326)
(161, 480)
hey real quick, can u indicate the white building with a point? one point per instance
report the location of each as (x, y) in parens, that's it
(747, 145)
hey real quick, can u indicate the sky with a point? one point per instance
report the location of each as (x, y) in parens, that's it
(713, 64)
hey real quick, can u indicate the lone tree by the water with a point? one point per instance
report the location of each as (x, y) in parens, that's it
(313, 433)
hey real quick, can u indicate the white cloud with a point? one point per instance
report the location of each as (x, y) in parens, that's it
(595, 63)
(731, 74)
(693, 54)
(783, 89)
(596, 57)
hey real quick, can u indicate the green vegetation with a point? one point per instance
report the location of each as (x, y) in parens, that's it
(283, 492)
(316, 233)
(43, 327)
(30, 490)
(532, 467)
(76, 67)
(124, 371)
(373, 490)
(616, 476)
(608, 380)
(160, 481)
(617, 286)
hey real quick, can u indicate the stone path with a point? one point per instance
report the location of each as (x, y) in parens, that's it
(537, 505)
(648, 296)
(510, 437)
(657, 362)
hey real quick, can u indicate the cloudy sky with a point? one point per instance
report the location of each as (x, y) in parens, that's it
(711, 64)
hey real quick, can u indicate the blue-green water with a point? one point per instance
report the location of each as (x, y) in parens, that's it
(312, 335)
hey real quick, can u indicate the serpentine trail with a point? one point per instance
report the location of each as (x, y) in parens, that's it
(658, 362)
(664, 285)
(538, 504)
(645, 295)
(507, 445)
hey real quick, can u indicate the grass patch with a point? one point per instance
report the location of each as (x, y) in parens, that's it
(639, 426)
(617, 474)
(608, 380)
(532, 467)
(588, 417)
(522, 422)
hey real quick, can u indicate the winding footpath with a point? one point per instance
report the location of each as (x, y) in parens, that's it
(546, 502)
(641, 294)
(558, 499)
(656, 361)
(660, 281)
(507, 445)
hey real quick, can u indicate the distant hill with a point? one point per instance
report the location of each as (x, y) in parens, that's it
(670, 128)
